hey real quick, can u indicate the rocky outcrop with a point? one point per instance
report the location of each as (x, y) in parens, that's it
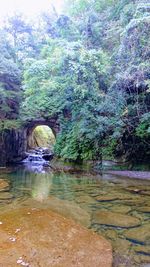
(13, 142)
(12, 146)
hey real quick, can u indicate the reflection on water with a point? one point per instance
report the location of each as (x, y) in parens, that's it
(41, 187)
(117, 208)
(35, 167)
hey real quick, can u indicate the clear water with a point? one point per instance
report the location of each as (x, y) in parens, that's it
(115, 207)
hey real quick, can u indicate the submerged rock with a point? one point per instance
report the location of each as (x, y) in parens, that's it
(139, 235)
(143, 250)
(48, 239)
(111, 234)
(69, 209)
(121, 209)
(5, 196)
(115, 219)
(142, 258)
(48, 157)
(145, 209)
(4, 185)
(114, 197)
(140, 190)
(85, 199)
(104, 198)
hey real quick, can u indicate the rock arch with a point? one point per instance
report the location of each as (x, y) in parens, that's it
(13, 143)
(31, 125)
(51, 123)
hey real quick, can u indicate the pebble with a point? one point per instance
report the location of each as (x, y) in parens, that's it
(22, 262)
(13, 239)
(17, 230)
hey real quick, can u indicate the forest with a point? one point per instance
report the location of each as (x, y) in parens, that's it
(90, 68)
(75, 133)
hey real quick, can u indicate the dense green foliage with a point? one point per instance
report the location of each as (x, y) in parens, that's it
(90, 67)
(10, 81)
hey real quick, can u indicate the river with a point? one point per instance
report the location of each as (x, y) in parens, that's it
(116, 207)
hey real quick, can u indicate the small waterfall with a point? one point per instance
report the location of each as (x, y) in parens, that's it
(38, 156)
(34, 158)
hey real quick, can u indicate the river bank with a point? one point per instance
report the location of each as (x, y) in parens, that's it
(131, 174)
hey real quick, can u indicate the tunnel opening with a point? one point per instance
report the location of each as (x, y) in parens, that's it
(41, 136)
(40, 144)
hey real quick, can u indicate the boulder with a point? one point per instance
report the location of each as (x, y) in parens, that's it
(48, 157)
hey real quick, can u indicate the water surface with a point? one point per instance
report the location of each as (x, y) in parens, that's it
(115, 207)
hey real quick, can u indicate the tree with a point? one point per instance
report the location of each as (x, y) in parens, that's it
(21, 37)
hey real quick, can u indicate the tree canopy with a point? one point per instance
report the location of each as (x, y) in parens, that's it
(90, 67)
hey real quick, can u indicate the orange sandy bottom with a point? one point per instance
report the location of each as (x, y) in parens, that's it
(41, 238)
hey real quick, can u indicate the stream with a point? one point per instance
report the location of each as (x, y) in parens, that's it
(117, 208)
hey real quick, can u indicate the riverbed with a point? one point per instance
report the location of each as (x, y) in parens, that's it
(114, 206)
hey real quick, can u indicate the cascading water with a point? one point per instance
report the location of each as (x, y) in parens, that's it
(37, 159)
(34, 158)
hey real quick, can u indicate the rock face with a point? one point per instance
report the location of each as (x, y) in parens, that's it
(13, 143)
(115, 219)
(12, 146)
(42, 238)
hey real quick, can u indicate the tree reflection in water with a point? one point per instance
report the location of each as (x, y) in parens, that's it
(41, 187)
